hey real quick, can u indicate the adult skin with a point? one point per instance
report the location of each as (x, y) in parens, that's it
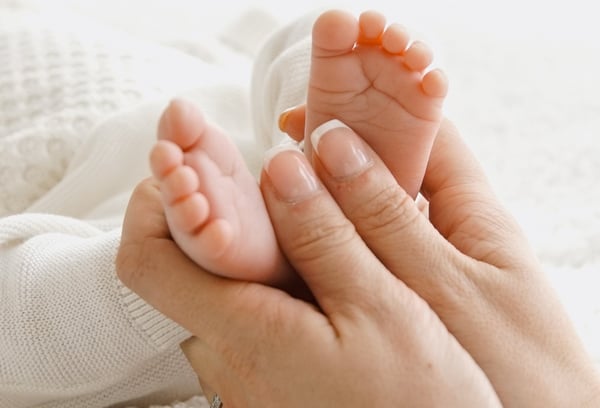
(483, 279)
(372, 342)
(366, 251)
(255, 344)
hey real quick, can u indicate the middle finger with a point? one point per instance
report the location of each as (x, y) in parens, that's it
(385, 216)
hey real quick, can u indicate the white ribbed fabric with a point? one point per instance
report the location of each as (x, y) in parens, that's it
(79, 105)
(280, 77)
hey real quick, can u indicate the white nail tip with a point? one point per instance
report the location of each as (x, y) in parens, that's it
(275, 150)
(316, 135)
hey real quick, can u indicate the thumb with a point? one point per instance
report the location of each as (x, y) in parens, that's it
(462, 205)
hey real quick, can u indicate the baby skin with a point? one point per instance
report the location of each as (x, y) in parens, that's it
(363, 74)
(373, 79)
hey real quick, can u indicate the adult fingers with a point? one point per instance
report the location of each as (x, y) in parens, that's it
(292, 122)
(343, 276)
(463, 206)
(153, 223)
(385, 216)
(319, 241)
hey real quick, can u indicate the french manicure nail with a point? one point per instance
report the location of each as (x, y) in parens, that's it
(342, 151)
(283, 118)
(290, 173)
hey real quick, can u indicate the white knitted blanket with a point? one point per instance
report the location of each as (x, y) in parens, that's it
(79, 106)
(524, 96)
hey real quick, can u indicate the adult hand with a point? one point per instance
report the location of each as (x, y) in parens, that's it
(372, 342)
(474, 267)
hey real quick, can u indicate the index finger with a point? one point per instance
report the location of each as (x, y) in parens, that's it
(344, 275)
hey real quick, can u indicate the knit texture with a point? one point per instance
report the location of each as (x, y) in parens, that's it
(80, 103)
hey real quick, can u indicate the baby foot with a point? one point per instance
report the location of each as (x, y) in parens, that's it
(374, 80)
(213, 205)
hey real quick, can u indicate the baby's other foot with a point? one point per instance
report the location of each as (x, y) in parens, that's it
(372, 78)
(213, 205)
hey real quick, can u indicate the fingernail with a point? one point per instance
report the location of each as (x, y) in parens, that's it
(290, 173)
(283, 118)
(342, 152)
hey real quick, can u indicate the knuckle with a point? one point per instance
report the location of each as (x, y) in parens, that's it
(452, 292)
(390, 209)
(321, 234)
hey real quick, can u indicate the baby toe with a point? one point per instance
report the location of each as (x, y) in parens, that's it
(372, 26)
(435, 83)
(395, 39)
(418, 56)
(178, 184)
